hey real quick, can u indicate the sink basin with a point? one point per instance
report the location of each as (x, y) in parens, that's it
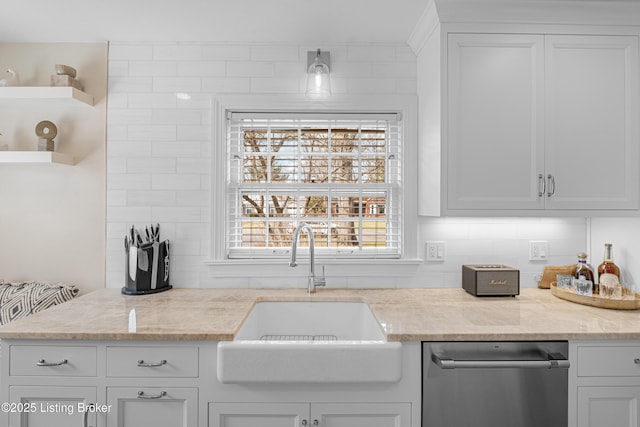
(310, 342)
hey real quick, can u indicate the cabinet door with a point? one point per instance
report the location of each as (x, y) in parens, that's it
(361, 414)
(51, 406)
(612, 406)
(258, 414)
(495, 126)
(152, 407)
(592, 121)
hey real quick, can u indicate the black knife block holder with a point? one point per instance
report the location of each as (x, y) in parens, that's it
(142, 281)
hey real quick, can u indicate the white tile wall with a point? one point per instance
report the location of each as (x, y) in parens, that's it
(159, 147)
(497, 240)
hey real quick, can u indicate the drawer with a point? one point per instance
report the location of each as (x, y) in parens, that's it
(622, 361)
(43, 360)
(169, 362)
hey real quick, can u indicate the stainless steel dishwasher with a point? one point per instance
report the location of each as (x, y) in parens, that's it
(495, 384)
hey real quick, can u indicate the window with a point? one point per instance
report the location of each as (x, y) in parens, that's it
(338, 172)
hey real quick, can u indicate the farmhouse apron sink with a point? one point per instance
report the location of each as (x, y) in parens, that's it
(310, 342)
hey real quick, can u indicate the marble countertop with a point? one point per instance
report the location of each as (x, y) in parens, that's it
(405, 315)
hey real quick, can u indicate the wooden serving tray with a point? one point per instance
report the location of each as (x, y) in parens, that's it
(596, 301)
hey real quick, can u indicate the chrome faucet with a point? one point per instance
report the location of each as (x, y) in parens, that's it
(312, 280)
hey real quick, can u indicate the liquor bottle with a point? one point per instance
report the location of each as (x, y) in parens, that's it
(608, 265)
(585, 276)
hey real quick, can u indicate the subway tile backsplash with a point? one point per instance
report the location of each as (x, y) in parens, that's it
(159, 148)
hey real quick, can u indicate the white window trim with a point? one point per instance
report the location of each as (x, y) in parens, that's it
(404, 104)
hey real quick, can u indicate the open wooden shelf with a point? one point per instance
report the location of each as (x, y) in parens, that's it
(60, 95)
(36, 157)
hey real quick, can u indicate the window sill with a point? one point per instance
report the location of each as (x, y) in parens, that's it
(336, 268)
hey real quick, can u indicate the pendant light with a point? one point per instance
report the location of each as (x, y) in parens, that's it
(318, 81)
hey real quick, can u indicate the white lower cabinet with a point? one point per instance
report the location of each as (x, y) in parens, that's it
(604, 384)
(309, 414)
(51, 383)
(258, 414)
(608, 406)
(361, 414)
(51, 406)
(152, 407)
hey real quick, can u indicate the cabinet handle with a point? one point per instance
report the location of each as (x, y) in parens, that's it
(85, 422)
(141, 395)
(544, 185)
(552, 185)
(151, 364)
(636, 361)
(316, 422)
(43, 362)
(304, 423)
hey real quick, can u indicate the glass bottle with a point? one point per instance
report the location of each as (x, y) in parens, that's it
(608, 266)
(584, 275)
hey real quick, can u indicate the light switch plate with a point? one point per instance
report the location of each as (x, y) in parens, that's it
(435, 251)
(538, 250)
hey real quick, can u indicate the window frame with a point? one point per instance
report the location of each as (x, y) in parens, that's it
(406, 105)
(333, 188)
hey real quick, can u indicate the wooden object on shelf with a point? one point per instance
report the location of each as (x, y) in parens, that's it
(45, 144)
(596, 301)
(36, 157)
(550, 272)
(57, 80)
(65, 70)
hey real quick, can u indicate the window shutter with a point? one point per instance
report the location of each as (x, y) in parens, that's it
(339, 172)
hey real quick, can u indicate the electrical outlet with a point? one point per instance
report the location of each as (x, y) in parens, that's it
(435, 251)
(538, 250)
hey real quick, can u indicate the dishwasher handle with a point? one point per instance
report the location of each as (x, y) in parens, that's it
(554, 361)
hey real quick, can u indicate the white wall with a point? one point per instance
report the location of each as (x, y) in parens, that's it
(498, 240)
(159, 149)
(52, 217)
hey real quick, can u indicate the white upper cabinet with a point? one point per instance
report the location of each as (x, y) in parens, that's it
(591, 121)
(495, 132)
(529, 123)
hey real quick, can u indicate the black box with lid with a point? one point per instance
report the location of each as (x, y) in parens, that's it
(491, 280)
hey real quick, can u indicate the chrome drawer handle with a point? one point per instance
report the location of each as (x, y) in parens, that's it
(552, 185)
(636, 361)
(151, 364)
(43, 362)
(551, 363)
(86, 417)
(141, 395)
(542, 181)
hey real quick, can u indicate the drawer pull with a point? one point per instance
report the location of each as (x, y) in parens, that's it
(636, 361)
(43, 362)
(86, 417)
(151, 364)
(141, 395)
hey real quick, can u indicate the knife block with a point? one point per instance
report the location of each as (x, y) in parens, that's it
(147, 269)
